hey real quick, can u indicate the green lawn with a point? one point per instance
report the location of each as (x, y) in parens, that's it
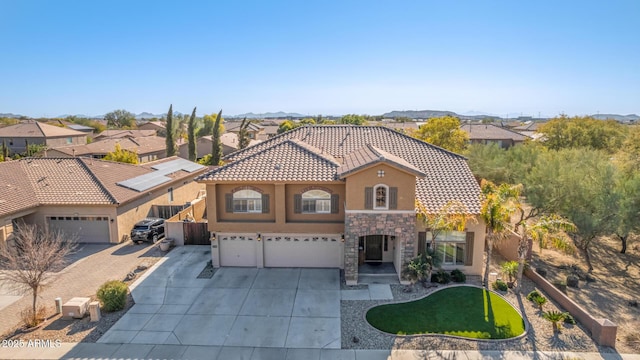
(462, 311)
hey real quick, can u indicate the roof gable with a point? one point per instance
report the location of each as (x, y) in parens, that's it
(369, 156)
(491, 132)
(35, 129)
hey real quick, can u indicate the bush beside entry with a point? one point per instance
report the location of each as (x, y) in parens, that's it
(113, 295)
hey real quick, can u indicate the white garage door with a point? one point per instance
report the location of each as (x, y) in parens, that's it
(238, 250)
(86, 229)
(321, 251)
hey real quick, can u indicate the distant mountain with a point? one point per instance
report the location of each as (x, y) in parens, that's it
(10, 115)
(279, 114)
(419, 114)
(621, 118)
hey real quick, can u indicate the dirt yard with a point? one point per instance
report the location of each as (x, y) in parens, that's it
(615, 292)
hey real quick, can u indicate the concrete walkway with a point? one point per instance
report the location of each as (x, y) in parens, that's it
(141, 351)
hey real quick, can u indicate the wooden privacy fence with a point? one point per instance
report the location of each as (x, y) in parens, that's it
(189, 226)
(195, 233)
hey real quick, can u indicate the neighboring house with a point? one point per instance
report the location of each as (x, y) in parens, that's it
(88, 130)
(204, 144)
(157, 126)
(254, 131)
(337, 196)
(16, 137)
(488, 133)
(270, 131)
(530, 129)
(117, 134)
(148, 148)
(97, 201)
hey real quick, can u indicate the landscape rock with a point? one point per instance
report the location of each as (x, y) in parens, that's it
(573, 281)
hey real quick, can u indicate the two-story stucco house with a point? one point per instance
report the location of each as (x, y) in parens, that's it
(17, 137)
(338, 196)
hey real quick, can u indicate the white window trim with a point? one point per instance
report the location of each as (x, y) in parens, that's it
(375, 197)
(257, 203)
(315, 200)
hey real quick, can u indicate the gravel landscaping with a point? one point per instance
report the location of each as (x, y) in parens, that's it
(358, 334)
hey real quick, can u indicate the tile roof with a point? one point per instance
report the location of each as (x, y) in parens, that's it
(35, 129)
(280, 162)
(447, 175)
(30, 182)
(141, 145)
(234, 126)
(491, 132)
(125, 133)
(370, 155)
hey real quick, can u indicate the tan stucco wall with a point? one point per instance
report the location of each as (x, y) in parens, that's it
(62, 141)
(131, 213)
(405, 182)
(293, 189)
(478, 227)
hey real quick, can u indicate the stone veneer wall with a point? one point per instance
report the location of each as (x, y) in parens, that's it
(402, 226)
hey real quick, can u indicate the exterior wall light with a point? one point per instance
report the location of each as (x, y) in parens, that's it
(342, 238)
(259, 237)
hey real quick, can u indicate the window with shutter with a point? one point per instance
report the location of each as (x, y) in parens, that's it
(265, 203)
(393, 198)
(228, 199)
(297, 203)
(335, 203)
(368, 198)
(422, 243)
(468, 261)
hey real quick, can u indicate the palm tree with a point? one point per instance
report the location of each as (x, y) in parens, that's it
(498, 205)
(548, 231)
(554, 317)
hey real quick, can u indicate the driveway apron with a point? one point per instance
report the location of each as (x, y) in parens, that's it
(238, 307)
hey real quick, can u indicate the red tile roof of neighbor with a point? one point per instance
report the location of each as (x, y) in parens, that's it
(113, 134)
(30, 182)
(34, 129)
(141, 146)
(321, 153)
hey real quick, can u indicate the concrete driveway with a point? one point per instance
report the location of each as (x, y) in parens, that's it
(238, 307)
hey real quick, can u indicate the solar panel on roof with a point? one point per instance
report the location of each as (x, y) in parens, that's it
(158, 177)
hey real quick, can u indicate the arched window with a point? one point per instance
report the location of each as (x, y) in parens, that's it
(247, 201)
(316, 201)
(381, 194)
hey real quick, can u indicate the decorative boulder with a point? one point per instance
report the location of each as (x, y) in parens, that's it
(542, 272)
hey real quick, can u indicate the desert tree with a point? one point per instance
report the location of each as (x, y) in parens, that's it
(120, 119)
(191, 136)
(31, 259)
(444, 132)
(121, 155)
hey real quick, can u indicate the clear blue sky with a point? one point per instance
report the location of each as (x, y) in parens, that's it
(319, 57)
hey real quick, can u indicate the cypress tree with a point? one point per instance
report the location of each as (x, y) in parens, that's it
(216, 145)
(191, 134)
(170, 141)
(243, 134)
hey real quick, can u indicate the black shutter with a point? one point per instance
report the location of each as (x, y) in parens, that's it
(228, 200)
(335, 204)
(468, 257)
(297, 203)
(368, 198)
(393, 198)
(265, 203)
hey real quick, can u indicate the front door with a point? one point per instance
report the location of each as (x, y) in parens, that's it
(373, 249)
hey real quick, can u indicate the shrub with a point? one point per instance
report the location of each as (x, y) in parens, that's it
(540, 300)
(29, 320)
(458, 276)
(568, 319)
(532, 295)
(510, 268)
(113, 295)
(441, 277)
(542, 272)
(500, 285)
